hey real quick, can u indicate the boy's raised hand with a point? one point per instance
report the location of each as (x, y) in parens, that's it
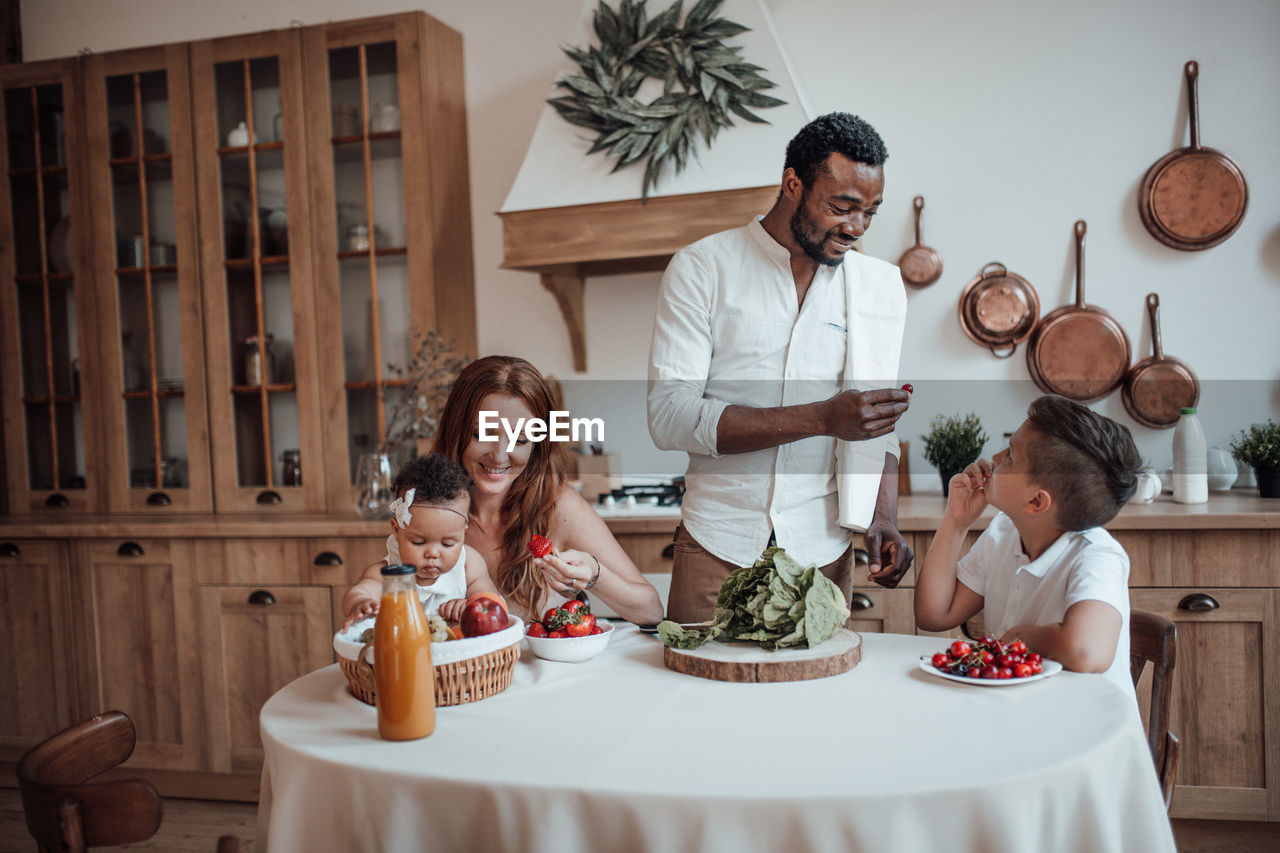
(967, 496)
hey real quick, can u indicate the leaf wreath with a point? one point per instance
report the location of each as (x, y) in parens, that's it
(704, 81)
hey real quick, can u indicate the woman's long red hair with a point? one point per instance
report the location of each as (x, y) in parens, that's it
(527, 508)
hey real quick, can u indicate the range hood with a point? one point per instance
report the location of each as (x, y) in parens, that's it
(568, 217)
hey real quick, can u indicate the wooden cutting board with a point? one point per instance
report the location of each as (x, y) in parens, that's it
(747, 662)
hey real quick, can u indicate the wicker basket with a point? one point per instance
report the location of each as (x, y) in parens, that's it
(456, 683)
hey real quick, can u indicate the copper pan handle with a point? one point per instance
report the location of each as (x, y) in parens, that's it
(1193, 108)
(1153, 311)
(1011, 351)
(918, 203)
(982, 273)
(1080, 229)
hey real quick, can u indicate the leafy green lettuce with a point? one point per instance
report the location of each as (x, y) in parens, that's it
(776, 602)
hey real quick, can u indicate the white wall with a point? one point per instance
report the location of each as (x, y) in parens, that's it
(1013, 119)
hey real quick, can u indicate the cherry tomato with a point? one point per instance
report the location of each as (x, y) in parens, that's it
(960, 648)
(941, 660)
(1022, 670)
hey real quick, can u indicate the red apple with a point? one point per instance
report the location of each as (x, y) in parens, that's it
(482, 614)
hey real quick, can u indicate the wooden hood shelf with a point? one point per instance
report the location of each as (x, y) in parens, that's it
(566, 245)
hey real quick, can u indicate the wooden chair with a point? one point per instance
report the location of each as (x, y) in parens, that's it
(67, 812)
(1154, 639)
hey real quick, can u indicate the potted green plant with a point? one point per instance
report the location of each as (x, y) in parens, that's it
(952, 443)
(1259, 448)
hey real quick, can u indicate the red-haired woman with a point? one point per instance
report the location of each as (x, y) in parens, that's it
(522, 492)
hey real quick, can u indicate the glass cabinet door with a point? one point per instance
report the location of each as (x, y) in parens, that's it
(393, 226)
(138, 120)
(250, 148)
(46, 292)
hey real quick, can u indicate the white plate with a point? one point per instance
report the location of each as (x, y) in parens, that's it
(1050, 667)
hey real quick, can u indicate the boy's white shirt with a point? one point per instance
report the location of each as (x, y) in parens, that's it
(1085, 565)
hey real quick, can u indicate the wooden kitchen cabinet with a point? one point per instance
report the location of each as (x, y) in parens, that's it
(251, 154)
(139, 161)
(134, 630)
(881, 611)
(35, 630)
(386, 124)
(650, 551)
(183, 248)
(253, 641)
(47, 309)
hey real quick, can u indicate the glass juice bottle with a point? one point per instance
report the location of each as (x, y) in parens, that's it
(403, 677)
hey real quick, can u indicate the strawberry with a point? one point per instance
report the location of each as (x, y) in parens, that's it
(536, 630)
(539, 545)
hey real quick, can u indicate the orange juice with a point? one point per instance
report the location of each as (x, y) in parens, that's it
(403, 677)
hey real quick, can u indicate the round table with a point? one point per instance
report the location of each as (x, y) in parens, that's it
(619, 754)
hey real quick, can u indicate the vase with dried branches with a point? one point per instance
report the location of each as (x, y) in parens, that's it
(419, 390)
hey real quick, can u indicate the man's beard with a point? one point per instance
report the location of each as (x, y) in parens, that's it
(803, 229)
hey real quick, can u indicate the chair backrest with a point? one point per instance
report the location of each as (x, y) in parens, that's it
(1154, 640)
(64, 810)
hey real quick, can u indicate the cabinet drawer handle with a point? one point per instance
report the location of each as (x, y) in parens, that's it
(1198, 602)
(57, 500)
(262, 598)
(861, 557)
(669, 552)
(129, 549)
(8, 549)
(269, 497)
(328, 558)
(858, 601)
(158, 499)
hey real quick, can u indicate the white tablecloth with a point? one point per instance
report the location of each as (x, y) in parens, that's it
(621, 754)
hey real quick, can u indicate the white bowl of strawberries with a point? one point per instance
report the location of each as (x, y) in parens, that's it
(569, 633)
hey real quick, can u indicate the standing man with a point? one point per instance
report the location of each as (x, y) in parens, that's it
(774, 354)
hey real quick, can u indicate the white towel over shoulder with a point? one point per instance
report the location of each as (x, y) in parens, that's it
(877, 316)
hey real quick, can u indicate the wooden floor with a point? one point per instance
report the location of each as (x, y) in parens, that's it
(189, 825)
(195, 825)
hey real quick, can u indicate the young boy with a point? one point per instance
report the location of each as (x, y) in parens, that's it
(1044, 570)
(429, 523)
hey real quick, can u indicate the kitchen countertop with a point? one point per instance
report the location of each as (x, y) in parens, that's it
(1237, 509)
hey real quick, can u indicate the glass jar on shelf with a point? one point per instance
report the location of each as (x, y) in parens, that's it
(358, 238)
(255, 372)
(291, 473)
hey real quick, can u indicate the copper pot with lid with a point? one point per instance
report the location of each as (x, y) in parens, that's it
(999, 309)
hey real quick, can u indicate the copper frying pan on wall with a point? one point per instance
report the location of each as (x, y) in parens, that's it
(1156, 388)
(1078, 351)
(1195, 197)
(999, 309)
(920, 265)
